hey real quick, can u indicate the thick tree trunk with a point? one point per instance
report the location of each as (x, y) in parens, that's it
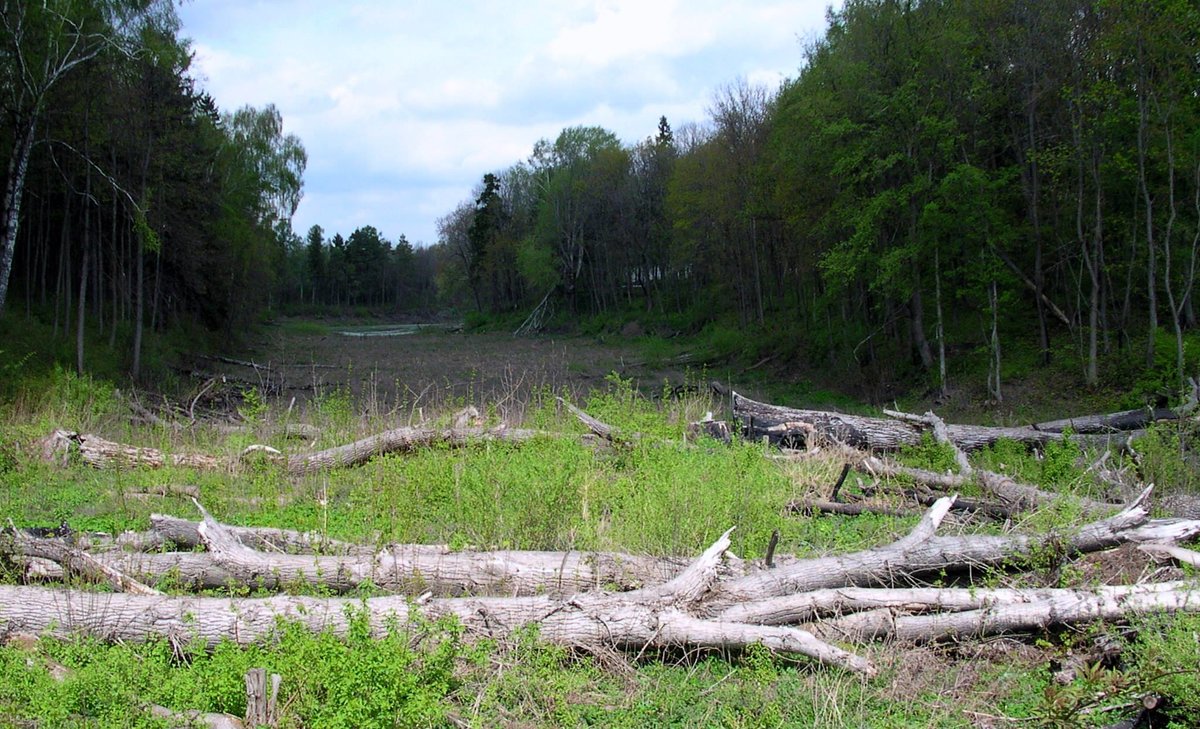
(653, 616)
(1126, 420)
(783, 424)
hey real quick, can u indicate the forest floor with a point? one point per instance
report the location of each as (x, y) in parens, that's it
(550, 494)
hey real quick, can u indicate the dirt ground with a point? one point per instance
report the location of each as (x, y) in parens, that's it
(405, 368)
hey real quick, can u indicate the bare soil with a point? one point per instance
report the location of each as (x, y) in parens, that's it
(432, 367)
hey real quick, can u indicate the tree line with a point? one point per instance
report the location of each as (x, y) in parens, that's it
(130, 199)
(940, 176)
(365, 270)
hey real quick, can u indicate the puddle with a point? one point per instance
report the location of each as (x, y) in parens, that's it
(391, 330)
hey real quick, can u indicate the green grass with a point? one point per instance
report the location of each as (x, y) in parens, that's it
(651, 496)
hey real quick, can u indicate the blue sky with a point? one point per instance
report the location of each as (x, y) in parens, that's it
(403, 106)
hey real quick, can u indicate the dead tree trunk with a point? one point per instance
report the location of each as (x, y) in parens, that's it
(796, 427)
(706, 605)
(101, 453)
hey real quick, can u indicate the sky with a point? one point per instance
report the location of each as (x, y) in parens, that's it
(403, 106)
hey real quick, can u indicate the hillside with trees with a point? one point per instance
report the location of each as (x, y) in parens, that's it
(945, 191)
(939, 178)
(131, 202)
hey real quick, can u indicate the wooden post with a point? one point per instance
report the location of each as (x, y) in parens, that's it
(260, 704)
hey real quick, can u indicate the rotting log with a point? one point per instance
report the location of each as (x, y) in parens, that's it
(401, 440)
(706, 605)
(657, 616)
(101, 453)
(794, 426)
(1123, 421)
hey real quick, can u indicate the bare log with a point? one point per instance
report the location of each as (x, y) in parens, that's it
(1052, 608)
(809, 507)
(400, 440)
(1179, 554)
(402, 568)
(165, 529)
(74, 560)
(1124, 420)
(783, 424)
(921, 553)
(654, 616)
(835, 603)
(601, 429)
(100, 453)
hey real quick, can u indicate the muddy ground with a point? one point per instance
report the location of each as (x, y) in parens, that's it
(386, 368)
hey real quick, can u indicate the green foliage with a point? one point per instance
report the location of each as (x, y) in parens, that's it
(1055, 468)
(1162, 378)
(402, 678)
(1167, 458)
(930, 455)
(1166, 660)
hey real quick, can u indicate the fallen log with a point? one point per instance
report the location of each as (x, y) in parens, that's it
(797, 427)
(401, 440)
(700, 607)
(1015, 495)
(832, 604)
(401, 568)
(810, 507)
(101, 453)
(418, 568)
(1124, 420)
(653, 616)
(921, 553)
(1024, 613)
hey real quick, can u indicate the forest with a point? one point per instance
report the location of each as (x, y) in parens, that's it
(131, 201)
(941, 187)
(939, 178)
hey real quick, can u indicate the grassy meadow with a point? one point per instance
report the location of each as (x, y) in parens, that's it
(657, 496)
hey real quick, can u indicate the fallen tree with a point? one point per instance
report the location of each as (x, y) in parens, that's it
(714, 602)
(60, 445)
(797, 427)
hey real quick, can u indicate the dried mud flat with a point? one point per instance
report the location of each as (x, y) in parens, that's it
(389, 367)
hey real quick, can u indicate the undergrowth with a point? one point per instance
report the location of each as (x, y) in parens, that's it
(648, 495)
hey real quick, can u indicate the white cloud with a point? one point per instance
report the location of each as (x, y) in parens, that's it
(402, 107)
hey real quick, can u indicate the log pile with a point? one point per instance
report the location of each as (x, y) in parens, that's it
(796, 427)
(799, 606)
